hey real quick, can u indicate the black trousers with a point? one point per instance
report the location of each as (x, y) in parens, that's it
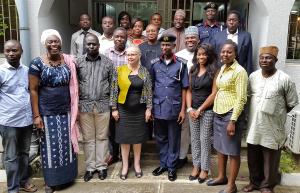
(263, 164)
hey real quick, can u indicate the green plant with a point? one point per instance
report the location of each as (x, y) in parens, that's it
(287, 162)
(3, 26)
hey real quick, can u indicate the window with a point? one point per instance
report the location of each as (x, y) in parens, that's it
(293, 44)
(9, 24)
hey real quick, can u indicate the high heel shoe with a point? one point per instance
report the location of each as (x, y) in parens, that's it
(138, 174)
(123, 176)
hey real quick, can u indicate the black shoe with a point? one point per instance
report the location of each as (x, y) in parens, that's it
(172, 176)
(181, 163)
(88, 176)
(213, 182)
(102, 174)
(158, 171)
(191, 177)
(202, 180)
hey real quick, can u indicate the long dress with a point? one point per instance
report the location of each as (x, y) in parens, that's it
(59, 162)
(132, 128)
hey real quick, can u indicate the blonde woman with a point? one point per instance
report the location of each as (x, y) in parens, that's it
(131, 103)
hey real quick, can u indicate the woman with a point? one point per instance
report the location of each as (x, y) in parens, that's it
(124, 20)
(200, 98)
(228, 105)
(136, 36)
(131, 102)
(54, 98)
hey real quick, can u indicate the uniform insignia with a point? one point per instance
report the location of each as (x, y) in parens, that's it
(154, 60)
(182, 60)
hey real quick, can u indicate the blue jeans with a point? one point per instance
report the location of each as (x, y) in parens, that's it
(16, 144)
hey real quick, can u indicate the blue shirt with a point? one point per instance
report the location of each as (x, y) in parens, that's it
(15, 106)
(168, 82)
(207, 32)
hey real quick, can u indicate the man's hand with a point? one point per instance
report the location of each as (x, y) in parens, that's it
(181, 117)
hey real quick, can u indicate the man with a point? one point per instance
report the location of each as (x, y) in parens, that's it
(178, 30)
(106, 40)
(77, 40)
(170, 82)
(151, 48)
(210, 26)
(191, 43)
(118, 56)
(241, 38)
(94, 76)
(156, 20)
(273, 95)
(16, 118)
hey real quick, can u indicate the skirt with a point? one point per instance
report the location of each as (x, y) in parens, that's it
(227, 145)
(59, 162)
(131, 127)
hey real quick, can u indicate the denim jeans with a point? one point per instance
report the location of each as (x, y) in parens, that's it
(16, 144)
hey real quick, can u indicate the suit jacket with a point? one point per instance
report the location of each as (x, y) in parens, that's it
(244, 48)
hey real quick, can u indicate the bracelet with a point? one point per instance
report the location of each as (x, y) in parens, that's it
(36, 116)
(189, 109)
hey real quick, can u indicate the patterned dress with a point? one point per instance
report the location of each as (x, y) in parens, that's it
(59, 161)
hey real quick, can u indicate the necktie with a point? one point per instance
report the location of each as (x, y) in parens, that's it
(84, 42)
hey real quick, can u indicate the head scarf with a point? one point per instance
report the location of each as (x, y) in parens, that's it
(49, 32)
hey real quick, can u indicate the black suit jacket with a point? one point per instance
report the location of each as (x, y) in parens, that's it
(244, 48)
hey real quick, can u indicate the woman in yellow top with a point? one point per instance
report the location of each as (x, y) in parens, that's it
(228, 105)
(131, 103)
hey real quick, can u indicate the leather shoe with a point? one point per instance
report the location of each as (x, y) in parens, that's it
(88, 176)
(158, 171)
(191, 177)
(102, 174)
(201, 180)
(234, 191)
(213, 182)
(181, 163)
(172, 176)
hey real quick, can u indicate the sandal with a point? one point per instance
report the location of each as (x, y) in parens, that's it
(249, 188)
(28, 187)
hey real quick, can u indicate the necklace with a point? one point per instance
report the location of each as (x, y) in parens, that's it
(54, 63)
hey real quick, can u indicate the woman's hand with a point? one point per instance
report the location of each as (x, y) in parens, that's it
(38, 122)
(198, 113)
(231, 128)
(192, 114)
(115, 115)
(147, 115)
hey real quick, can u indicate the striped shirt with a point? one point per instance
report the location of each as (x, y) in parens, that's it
(94, 77)
(232, 90)
(118, 58)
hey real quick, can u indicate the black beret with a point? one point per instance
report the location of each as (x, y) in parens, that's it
(167, 38)
(211, 6)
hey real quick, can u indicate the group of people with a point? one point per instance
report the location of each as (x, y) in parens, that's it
(189, 86)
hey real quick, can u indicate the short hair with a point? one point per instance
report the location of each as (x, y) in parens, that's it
(135, 20)
(122, 14)
(14, 42)
(85, 15)
(237, 13)
(112, 18)
(91, 35)
(120, 29)
(135, 49)
(156, 13)
(235, 47)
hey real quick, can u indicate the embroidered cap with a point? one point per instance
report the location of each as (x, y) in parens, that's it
(273, 50)
(191, 30)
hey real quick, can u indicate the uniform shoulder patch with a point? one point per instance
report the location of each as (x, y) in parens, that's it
(154, 60)
(182, 60)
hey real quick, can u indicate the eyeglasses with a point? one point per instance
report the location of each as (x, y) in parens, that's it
(128, 55)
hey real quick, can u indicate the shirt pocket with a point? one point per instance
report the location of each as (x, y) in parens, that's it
(269, 105)
(156, 106)
(176, 107)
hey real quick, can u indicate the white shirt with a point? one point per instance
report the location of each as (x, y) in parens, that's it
(270, 98)
(105, 43)
(187, 55)
(233, 37)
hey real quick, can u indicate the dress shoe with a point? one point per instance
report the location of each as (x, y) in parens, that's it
(102, 174)
(181, 163)
(158, 171)
(202, 180)
(172, 176)
(88, 176)
(213, 182)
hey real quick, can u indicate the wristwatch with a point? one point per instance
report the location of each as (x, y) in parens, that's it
(189, 109)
